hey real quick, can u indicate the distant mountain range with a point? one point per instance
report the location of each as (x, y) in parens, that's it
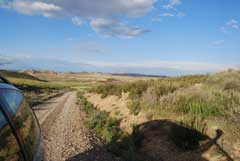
(32, 72)
(138, 75)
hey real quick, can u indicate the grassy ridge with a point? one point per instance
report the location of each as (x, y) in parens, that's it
(35, 90)
(211, 98)
(204, 95)
(14, 74)
(161, 86)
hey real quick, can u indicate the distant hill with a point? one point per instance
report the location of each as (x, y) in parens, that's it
(138, 75)
(16, 74)
(48, 72)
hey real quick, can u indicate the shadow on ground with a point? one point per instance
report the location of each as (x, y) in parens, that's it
(161, 140)
(97, 153)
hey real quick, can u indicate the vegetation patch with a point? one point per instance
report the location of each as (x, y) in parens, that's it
(134, 107)
(206, 96)
(135, 89)
(117, 141)
(197, 100)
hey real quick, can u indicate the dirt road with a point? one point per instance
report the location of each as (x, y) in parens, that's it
(64, 133)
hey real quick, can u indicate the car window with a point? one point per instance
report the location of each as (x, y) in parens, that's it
(13, 98)
(24, 120)
(9, 148)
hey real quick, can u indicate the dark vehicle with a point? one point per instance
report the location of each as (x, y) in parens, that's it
(20, 134)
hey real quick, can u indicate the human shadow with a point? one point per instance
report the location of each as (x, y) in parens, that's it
(159, 140)
(97, 153)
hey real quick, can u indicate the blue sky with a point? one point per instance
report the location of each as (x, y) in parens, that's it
(169, 37)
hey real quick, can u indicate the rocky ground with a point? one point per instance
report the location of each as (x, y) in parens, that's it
(64, 133)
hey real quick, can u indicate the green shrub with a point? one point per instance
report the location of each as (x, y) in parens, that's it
(104, 126)
(135, 89)
(199, 107)
(161, 86)
(205, 103)
(108, 89)
(164, 88)
(232, 85)
(134, 107)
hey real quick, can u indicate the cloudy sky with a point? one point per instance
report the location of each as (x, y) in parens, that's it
(169, 37)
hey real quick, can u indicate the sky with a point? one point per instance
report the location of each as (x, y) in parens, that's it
(163, 37)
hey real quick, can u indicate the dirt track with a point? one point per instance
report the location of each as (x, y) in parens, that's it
(64, 133)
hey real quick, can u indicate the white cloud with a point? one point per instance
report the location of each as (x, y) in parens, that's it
(77, 21)
(91, 48)
(181, 14)
(69, 39)
(218, 42)
(105, 8)
(156, 19)
(4, 60)
(223, 29)
(4, 4)
(35, 8)
(104, 16)
(160, 17)
(172, 4)
(116, 28)
(167, 15)
(84, 8)
(88, 10)
(233, 24)
(230, 25)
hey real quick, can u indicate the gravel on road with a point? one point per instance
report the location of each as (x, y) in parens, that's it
(66, 138)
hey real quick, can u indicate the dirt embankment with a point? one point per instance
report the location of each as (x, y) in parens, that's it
(118, 108)
(156, 144)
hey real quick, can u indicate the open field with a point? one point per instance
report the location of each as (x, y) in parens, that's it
(182, 118)
(39, 86)
(35, 90)
(84, 77)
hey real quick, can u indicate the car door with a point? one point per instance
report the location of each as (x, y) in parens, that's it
(24, 120)
(9, 145)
